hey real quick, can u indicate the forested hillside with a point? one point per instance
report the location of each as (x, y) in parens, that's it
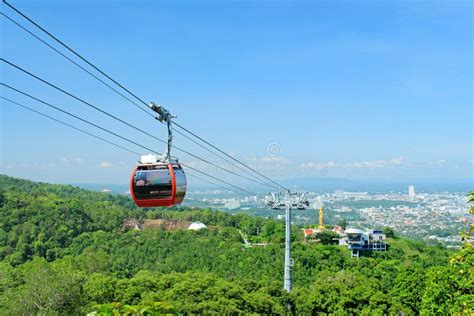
(64, 250)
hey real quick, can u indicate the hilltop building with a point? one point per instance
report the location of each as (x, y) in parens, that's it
(197, 226)
(310, 233)
(358, 240)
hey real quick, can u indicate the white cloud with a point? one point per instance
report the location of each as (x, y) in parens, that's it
(46, 166)
(72, 161)
(285, 166)
(376, 164)
(269, 159)
(439, 163)
(78, 160)
(105, 164)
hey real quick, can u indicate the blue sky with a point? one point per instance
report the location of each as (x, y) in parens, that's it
(363, 90)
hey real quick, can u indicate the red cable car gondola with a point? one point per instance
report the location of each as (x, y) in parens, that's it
(155, 183)
(158, 180)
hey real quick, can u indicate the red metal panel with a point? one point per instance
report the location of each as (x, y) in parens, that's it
(154, 203)
(173, 183)
(132, 194)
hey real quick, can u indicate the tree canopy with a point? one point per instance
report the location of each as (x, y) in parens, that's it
(64, 250)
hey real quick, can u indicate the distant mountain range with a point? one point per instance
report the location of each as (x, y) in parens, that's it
(323, 184)
(104, 187)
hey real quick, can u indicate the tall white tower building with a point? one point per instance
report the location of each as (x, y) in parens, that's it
(232, 204)
(411, 191)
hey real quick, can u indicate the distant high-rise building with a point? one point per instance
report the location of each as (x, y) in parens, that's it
(339, 193)
(411, 191)
(232, 204)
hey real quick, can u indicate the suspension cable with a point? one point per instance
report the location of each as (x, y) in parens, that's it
(106, 141)
(125, 97)
(217, 179)
(212, 183)
(223, 158)
(72, 51)
(73, 115)
(120, 120)
(134, 95)
(236, 160)
(75, 63)
(69, 125)
(119, 136)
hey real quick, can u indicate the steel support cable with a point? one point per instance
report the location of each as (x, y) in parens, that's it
(131, 93)
(234, 159)
(105, 140)
(73, 51)
(217, 179)
(119, 136)
(118, 119)
(69, 125)
(125, 97)
(223, 158)
(75, 63)
(213, 183)
(73, 115)
(95, 125)
(121, 86)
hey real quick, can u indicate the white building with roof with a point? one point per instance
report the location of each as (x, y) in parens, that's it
(197, 226)
(358, 239)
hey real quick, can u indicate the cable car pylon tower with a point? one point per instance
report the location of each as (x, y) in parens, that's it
(289, 200)
(289, 262)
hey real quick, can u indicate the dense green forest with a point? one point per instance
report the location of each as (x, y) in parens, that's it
(64, 250)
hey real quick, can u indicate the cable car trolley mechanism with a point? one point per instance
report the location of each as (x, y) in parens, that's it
(158, 180)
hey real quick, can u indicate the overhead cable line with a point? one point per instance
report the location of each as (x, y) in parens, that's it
(73, 115)
(69, 125)
(97, 126)
(119, 136)
(122, 121)
(105, 140)
(223, 158)
(223, 152)
(212, 183)
(73, 51)
(134, 95)
(125, 97)
(75, 63)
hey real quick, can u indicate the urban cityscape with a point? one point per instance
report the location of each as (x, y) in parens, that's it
(433, 217)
